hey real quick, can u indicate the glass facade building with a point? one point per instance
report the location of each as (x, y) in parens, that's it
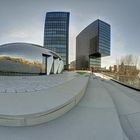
(56, 34)
(91, 44)
(104, 38)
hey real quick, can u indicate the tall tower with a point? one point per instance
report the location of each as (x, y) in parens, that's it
(56, 34)
(91, 44)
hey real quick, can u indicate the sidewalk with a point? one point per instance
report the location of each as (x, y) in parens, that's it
(127, 102)
(105, 124)
(40, 105)
(94, 118)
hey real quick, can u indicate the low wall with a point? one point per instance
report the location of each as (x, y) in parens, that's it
(122, 83)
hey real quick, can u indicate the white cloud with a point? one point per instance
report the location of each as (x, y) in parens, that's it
(19, 35)
(31, 35)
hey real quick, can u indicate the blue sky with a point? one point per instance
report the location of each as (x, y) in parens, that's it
(23, 21)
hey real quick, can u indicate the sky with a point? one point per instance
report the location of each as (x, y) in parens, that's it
(23, 21)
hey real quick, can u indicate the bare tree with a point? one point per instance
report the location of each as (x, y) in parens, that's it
(117, 61)
(128, 60)
(128, 64)
(131, 60)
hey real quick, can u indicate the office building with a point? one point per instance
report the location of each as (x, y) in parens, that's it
(56, 34)
(91, 44)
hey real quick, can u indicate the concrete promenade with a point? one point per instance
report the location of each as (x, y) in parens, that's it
(45, 99)
(108, 111)
(127, 103)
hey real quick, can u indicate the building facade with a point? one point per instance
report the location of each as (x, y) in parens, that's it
(91, 44)
(28, 59)
(56, 34)
(128, 70)
(72, 65)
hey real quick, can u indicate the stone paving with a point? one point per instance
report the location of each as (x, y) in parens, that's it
(36, 106)
(25, 84)
(127, 103)
(108, 111)
(94, 118)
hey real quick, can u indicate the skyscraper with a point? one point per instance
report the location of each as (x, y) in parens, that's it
(56, 34)
(91, 44)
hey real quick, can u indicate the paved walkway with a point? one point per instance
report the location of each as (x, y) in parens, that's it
(94, 118)
(22, 84)
(127, 102)
(27, 108)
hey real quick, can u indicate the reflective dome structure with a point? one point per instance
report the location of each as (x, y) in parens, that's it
(26, 58)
